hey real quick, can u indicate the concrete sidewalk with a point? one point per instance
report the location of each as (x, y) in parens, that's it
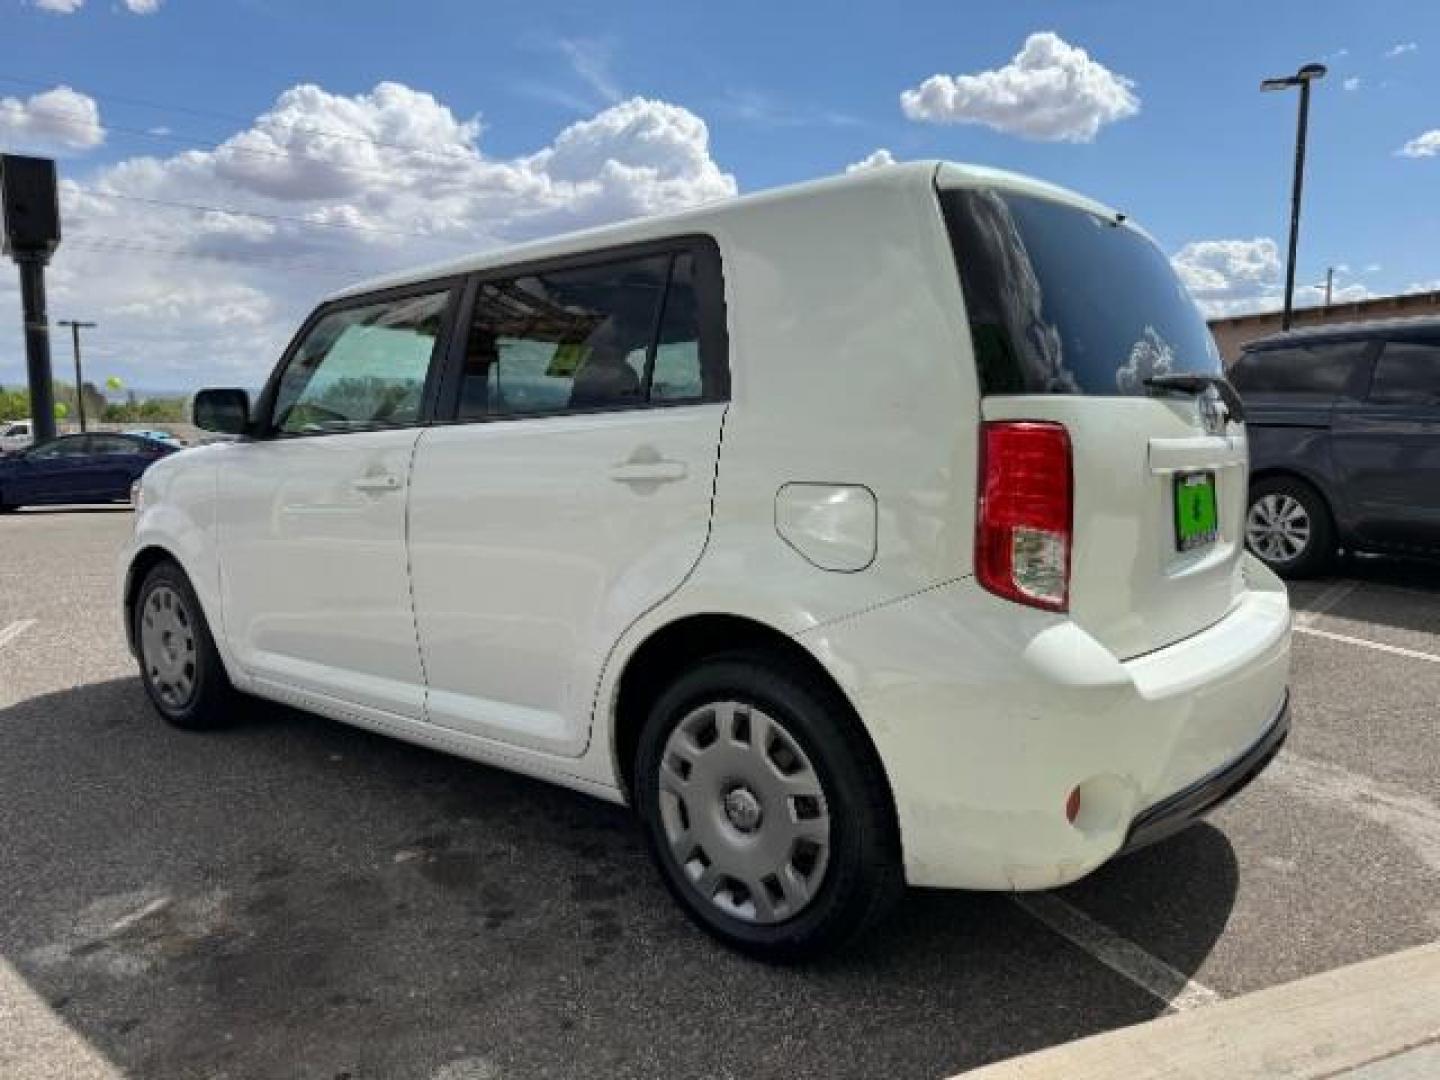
(36, 1044)
(1378, 1020)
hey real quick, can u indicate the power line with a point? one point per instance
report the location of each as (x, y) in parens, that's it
(230, 117)
(233, 212)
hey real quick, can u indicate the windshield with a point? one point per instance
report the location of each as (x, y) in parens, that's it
(1064, 301)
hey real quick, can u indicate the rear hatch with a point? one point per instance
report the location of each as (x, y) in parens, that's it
(1076, 317)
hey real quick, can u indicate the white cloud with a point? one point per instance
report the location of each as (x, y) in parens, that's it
(70, 7)
(186, 297)
(1239, 277)
(1352, 83)
(1051, 90)
(1221, 273)
(874, 160)
(1426, 144)
(1401, 49)
(53, 121)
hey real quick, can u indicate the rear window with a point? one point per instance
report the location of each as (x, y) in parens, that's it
(1064, 301)
(1319, 370)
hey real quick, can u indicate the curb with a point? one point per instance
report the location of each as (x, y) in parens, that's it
(1379, 1010)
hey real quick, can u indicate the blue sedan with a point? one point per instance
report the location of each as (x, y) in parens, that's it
(94, 468)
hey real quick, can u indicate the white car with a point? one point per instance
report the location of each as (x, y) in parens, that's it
(15, 435)
(883, 529)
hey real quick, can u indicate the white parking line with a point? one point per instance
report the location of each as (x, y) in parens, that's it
(14, 630)
(1396, 650)
(1325, 601)
(1179, 992)
(1413, 819)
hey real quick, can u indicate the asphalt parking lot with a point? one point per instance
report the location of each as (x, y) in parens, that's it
(299, 898)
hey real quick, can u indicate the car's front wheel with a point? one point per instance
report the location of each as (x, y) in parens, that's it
(769, 824)
(179, 664)
(1288, 527)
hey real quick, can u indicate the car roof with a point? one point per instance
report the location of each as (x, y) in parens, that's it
(1351, 331)
(914, 174)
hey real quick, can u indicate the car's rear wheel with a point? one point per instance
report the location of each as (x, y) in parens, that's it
(179, 664)
(769, 826)
(1288, 527)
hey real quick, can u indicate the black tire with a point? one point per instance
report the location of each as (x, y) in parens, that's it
(862, 876)
(211, 700)
(1317, 553)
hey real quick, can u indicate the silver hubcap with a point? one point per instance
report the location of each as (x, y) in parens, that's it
(744, 813)
(167, 646)
(1278, 528)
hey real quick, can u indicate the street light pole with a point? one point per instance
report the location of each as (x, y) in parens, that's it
(1302, 78)
(75, 327)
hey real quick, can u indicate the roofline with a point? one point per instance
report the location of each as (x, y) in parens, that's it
(1419, 299)
(913, 174)
(1348, 330)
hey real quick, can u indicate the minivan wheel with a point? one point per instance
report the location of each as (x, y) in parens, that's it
(767, 826)
(1288, 527)
(179, 664)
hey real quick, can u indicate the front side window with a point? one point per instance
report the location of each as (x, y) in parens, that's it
(1065, 301)
(608, 336)
(1319, 371)
(361, 367)
(1408, 373)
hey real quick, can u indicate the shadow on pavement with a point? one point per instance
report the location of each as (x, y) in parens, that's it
(1415, 609)
(295, 897)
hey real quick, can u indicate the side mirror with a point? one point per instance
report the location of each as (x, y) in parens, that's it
(225, 412)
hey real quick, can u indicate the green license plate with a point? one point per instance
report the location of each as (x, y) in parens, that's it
(1197, 519)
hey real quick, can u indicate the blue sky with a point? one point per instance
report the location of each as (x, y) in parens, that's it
(783, 92)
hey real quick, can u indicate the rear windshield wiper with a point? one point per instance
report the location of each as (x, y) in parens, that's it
(1190, 383)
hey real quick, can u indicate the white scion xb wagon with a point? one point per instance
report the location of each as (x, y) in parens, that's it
(884, 529)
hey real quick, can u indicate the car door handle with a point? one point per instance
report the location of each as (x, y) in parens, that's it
(649, 472)
(383, 482)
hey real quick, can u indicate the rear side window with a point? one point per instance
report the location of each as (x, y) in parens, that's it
(112, 444)
(1408, 373)
(1321, 370)
(610, 335)
(1064, 301)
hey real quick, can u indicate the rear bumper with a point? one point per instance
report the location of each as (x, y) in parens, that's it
(987, 716)
(1188, 805)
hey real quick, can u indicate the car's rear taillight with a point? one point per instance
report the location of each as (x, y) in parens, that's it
(1024, 530)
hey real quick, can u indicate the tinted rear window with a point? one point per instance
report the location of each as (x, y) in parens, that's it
(1063, 301)
(1319, 370)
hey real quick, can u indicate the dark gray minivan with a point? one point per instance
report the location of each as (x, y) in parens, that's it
(1344, 425)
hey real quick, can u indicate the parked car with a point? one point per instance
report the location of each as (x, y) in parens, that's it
(15, 435)
(1344, 442)
(884, 529)
(96, 468)
(165, 437)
